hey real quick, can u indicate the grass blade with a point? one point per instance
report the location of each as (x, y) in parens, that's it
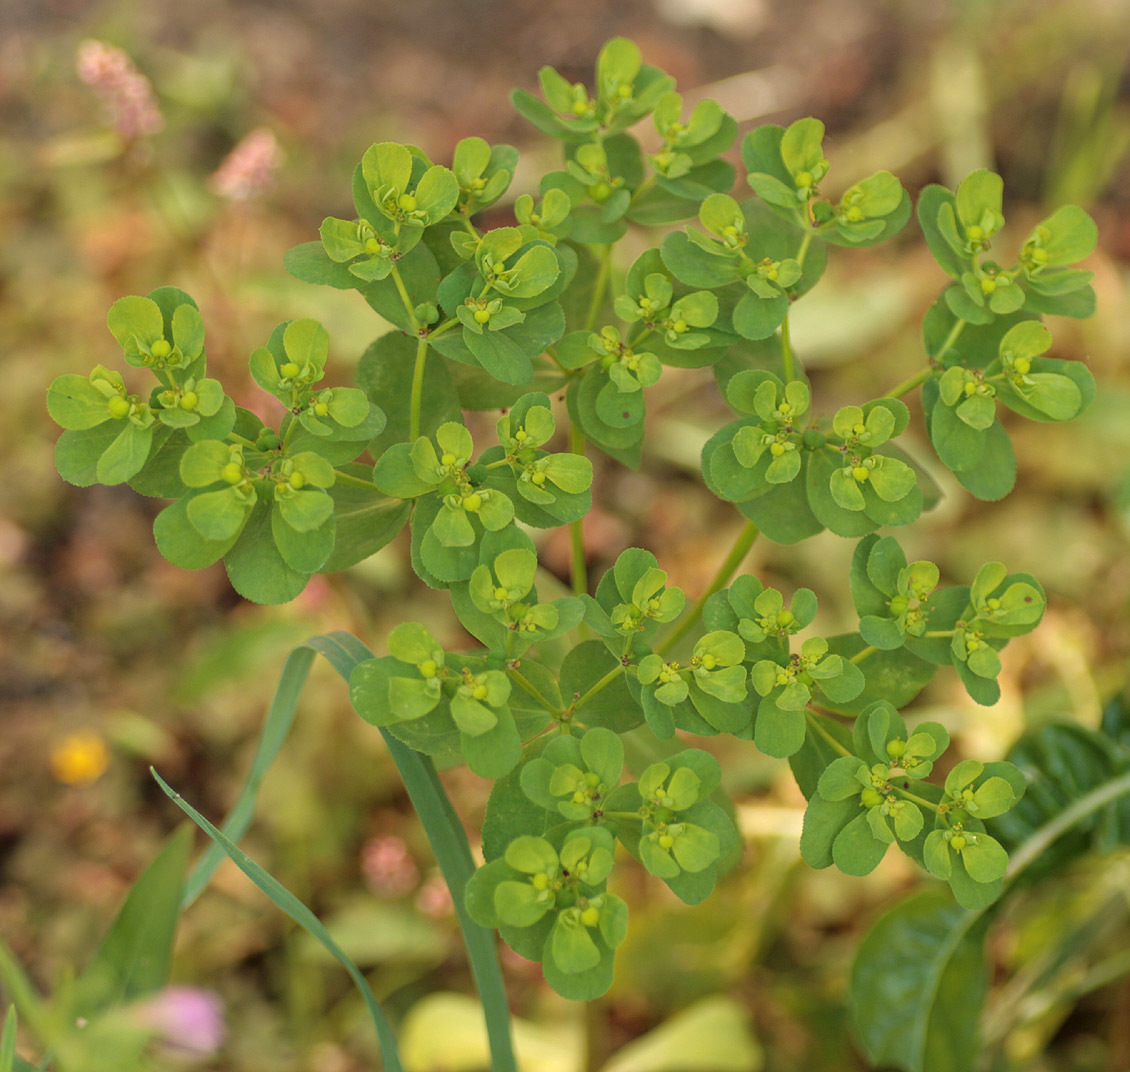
(293, 907)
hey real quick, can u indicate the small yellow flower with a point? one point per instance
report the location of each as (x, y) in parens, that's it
(80, 758)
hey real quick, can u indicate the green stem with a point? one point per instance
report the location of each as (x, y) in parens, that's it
(353, 481)
(940, 632)
(787, 351)
(951, 338)
(828, 738)
(242, 441)
(531, 690)
(403, 291)
(444, 328)
(599, 287)
(866, 653)
(728, 568)
(602, 684)
(580, 576)
(417, 398)
(921, 376)
(803, 251)
(917, 799)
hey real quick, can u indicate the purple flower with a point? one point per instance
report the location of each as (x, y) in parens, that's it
(185, 1018)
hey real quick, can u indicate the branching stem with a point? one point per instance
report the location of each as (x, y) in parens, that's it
(729, 567)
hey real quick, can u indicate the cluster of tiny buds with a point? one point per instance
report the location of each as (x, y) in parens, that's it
(124, 91)
(249, 169)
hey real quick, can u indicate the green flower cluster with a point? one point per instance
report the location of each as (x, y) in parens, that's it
(513, 321)
(547, 892)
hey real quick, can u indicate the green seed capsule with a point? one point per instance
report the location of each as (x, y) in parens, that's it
(1022, 365)
(296, 481)
(189, 401)
(472, 503)
(161, 349)
(479, 692)
(289, 370)
(481, 316)
(896, 748)
(957, 843)
(428, 668)
(118, 407)
(321, 409)
(232, 473)
(590, 917)
(860, 472)
(406, 203)
(870, 798)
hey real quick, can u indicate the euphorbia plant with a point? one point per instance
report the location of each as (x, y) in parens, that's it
(502, 319)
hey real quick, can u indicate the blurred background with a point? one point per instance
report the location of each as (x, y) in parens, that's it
(112, 660)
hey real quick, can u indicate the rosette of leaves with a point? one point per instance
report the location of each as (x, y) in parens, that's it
(632, 600)
(484, 172)
(785, 168)
(863, 801)
(959, 849)
(503, 299)
(786, 687)
(502, 591)
(1001, 605)
(960, 227)
(750, 455)
(439, 702)
(111, 433)
(687, 166)
(680, 324)
(548, 898)
(453, 510)
(547, 489)
(397, 192)
(290, 365)
(711, 688)
(759, 616)
(627, 89)
(961, 406)
(681, 837)
(856, 479)
(573, 776)
(548, 219)
(891, 596)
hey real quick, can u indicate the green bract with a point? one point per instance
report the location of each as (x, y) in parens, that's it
(539, 335)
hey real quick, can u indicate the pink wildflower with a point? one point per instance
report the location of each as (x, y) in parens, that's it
(125, 93)
(434, 898)
(388, 867)
(249, 169)
(185, 1018)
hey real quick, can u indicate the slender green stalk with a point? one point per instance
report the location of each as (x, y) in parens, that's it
(402, 290)
(866, 653)
(801, 253)
(580, 571)
(599, 287)
(787, 351)
(828, 738)
(242, 441)
(531, 690)
(917, 799)
(353, 481)
(729, 567)
(921, 376)
(417, 398)
(600, 686)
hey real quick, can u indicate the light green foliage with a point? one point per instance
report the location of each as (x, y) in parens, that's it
(511, 319)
